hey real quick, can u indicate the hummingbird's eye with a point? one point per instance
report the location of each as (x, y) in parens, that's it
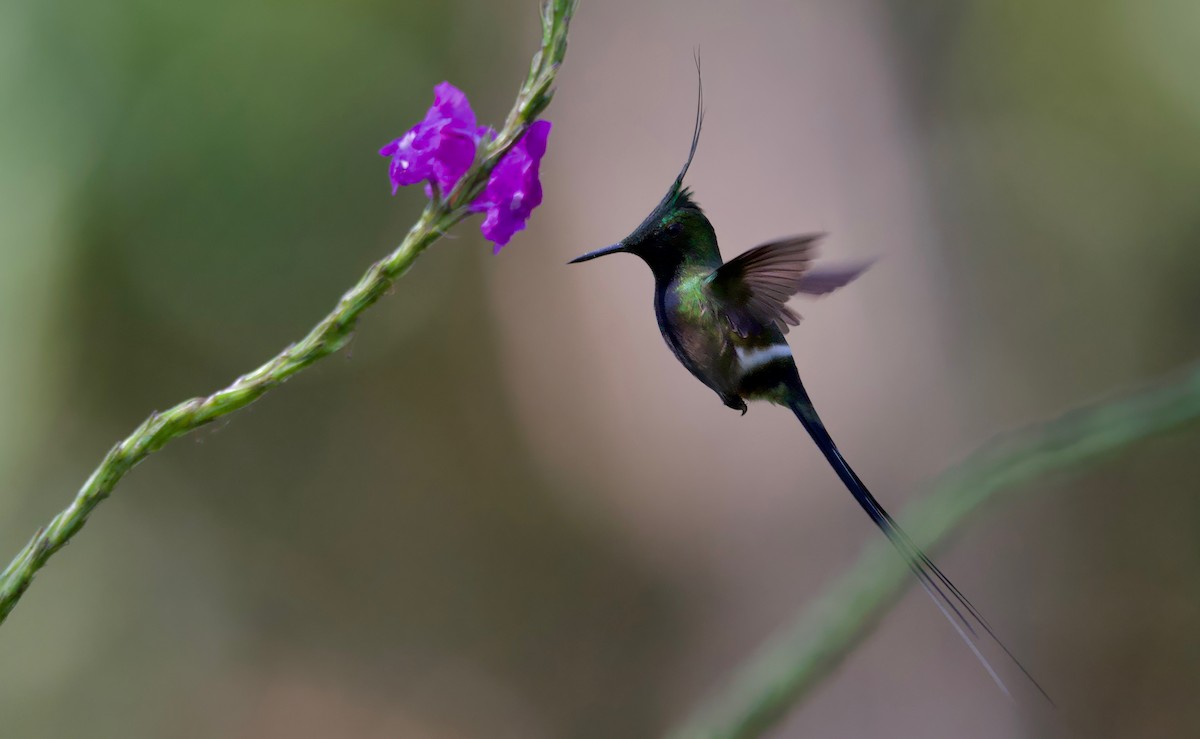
(673, 228)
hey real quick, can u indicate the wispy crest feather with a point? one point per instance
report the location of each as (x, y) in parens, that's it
(678, 188)
(678, 195)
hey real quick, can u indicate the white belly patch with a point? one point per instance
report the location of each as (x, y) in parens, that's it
(752, 359)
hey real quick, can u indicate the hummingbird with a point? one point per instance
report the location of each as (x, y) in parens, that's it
(725, 322)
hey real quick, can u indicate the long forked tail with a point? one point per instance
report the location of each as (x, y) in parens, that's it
(959, 611)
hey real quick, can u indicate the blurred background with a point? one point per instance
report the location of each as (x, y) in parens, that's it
(506, 511)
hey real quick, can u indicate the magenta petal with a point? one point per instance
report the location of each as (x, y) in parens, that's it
(499, 226)
(439, 149)
(455, 155)
(535, 139)
(409, 160)
(514, 188)
(450, 103)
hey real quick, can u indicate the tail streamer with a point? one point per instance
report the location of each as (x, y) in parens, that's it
(958, 610)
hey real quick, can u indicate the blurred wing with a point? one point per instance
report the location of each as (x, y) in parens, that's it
(824, 280)
(754, 287)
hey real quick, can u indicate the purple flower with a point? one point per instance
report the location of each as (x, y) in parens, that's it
(440, 148)
(513, 190)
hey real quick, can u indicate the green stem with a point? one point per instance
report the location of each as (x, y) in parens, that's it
(795, 660)
(326, 338)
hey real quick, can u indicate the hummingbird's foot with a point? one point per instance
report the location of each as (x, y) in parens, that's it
(735, 403)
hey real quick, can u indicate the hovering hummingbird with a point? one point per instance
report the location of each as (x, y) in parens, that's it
(725, 322)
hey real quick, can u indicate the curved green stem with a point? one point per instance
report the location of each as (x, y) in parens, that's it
(326, 338)
(795, 660)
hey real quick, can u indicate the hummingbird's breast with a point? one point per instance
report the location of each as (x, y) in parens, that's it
(737, 367)
(697, 334)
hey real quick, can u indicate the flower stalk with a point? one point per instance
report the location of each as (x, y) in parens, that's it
(327, 337)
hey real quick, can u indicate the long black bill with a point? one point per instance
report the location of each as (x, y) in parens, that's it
(598, 253)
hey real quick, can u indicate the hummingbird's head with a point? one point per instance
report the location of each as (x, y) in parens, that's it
(672, 232)
(676, 227)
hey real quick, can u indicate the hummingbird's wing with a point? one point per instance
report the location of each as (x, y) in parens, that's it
(753, 288)
(822, 280)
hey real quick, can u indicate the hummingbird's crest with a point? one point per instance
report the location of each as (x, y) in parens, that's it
(678, 196)
(678, 191)
(677, 226)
